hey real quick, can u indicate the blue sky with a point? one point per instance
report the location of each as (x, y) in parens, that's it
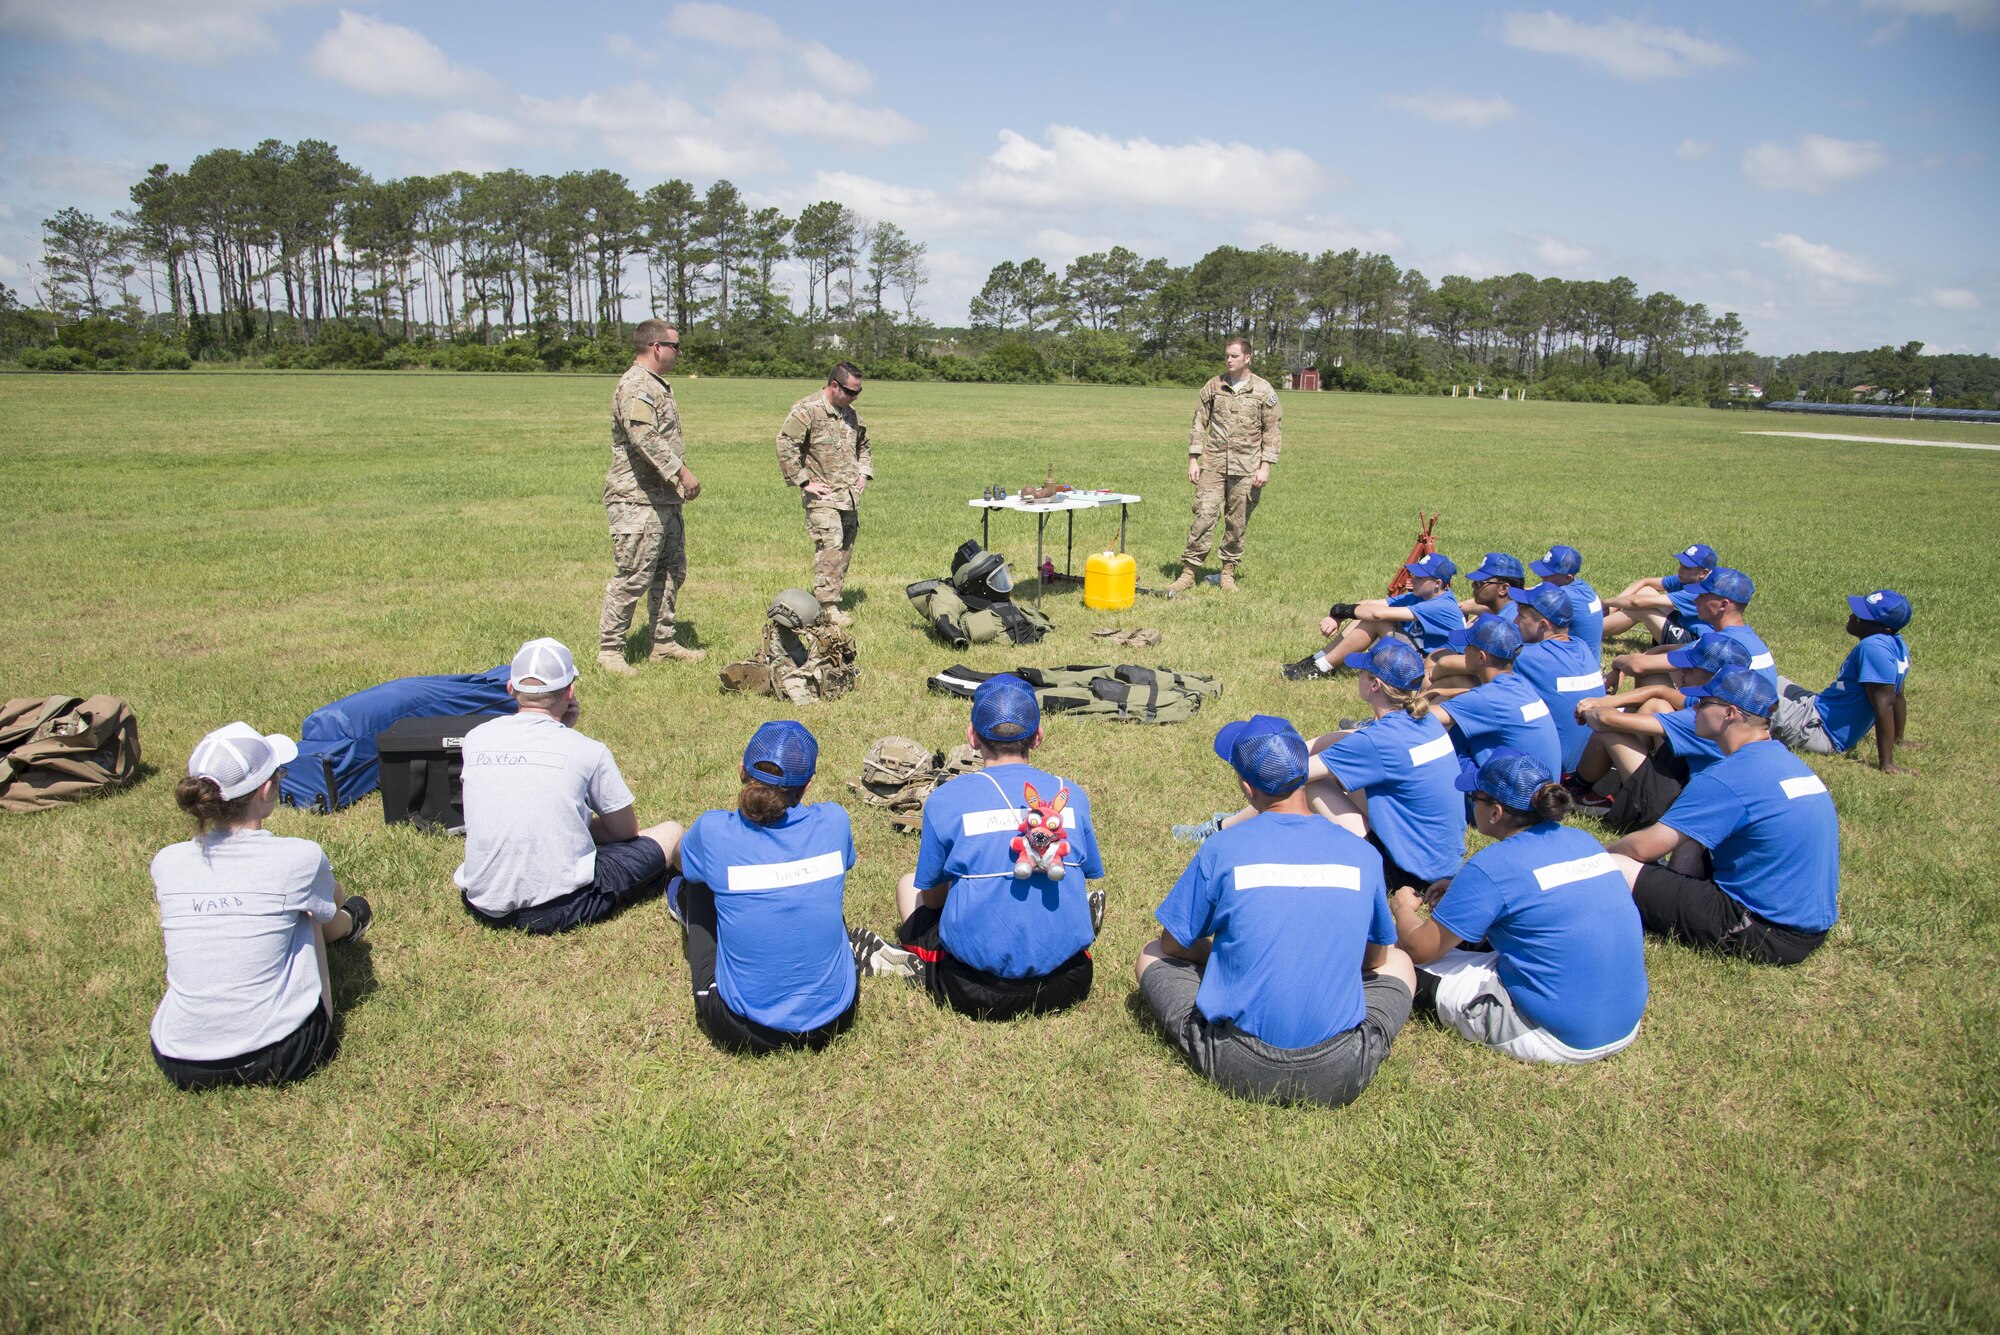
(1828, 168)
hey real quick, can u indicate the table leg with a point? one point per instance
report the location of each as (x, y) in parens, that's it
(1041, 523)
(1122, 508)
(985, 531)
(1069, 552)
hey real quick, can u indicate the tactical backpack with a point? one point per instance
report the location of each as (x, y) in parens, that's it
(1126, 693)
(55, 750)
(899, 773)
(800, 660)
(975, 604)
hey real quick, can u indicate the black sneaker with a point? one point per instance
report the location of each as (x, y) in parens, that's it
(1096, 912)
(1306, 669)
(876, 958)
(360, 915)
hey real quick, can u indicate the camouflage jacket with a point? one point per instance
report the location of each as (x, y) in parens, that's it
(646, 448)
(819, 444)
(1237, 428)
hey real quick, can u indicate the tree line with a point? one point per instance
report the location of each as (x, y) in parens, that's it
(286, 254)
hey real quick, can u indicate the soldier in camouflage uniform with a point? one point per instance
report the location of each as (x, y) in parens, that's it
(1238, 431)
(643, 493)
(823, 451)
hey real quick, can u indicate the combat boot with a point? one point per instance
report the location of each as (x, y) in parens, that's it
(610, 660)
(671, 652)
(833, 616)
(1228, 580)
(1188, 576)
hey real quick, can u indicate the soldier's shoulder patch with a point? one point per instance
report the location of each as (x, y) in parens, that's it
(639, 408)
(1270, 397)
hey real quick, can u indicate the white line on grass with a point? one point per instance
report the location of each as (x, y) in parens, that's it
(1876, 440)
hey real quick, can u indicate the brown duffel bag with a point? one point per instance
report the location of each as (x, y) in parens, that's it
(54, 750)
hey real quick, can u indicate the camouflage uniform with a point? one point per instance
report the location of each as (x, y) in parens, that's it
(642, 500)
(1236, 428)
(819, 444)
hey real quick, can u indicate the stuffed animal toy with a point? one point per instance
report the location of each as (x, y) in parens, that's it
(1041, 844)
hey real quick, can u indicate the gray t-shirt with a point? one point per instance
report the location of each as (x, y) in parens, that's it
(237, 909)
(530, 787)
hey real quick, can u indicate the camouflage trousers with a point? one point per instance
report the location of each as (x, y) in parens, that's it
(1231, 499)
(832, 533)
(649, 548)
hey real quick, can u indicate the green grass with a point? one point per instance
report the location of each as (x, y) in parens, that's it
(532, 1133)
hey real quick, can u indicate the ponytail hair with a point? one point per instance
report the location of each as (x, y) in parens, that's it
(202, 800)
(1551, 801)
(763, 803)
(1412, 703)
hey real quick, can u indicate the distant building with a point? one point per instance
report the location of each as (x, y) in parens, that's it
(1303, 377)
(1749, 390)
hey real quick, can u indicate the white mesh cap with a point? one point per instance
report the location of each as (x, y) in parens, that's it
(542, 665)
(238, 758)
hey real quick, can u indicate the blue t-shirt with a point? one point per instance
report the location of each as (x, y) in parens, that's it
(1562, 673)
(1698, 751)
(1844, 706)
(1556, 907)
(1683, 596)
(1761, 661)
(991, 921)
(1504, 712)
(1586, 624)
(1769, 826)
(781, 951)
(1406, 767)
(1292, 903)
(1436, 619)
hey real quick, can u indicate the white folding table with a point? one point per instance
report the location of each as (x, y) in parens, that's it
(1068, 502)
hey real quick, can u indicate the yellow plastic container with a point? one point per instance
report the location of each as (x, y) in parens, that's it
(1110, 581)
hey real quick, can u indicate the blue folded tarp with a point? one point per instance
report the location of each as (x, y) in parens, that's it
(340, 737)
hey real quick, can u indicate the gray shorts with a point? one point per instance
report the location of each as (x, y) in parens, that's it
(1331, 1073)
(1796, 722)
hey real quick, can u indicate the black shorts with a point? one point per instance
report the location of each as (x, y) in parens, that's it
(1653, 788)
(1394, 872)
(725, 1028)
(293, 1057)
(627, 872)
(987, 996)
(1701, 913)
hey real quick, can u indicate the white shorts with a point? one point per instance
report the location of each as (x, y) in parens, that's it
(1473, 1001)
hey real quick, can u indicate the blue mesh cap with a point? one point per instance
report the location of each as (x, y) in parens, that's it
(1509, 777)
(1711, 653)
(1738, 686)
(1496, 637)
(1558, 560)
(1267, 753)
(1884, 607)
(1551, 600)
(788, 746)
(1435, 566)
(1393, 660)
(1698, 556)
(1004, 709)
(1498, 565)
(1731, 584)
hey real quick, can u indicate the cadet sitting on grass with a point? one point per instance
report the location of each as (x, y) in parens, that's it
(1565, 980)
(1643, 746)
(1501, 708)
(1720, 601)
(1663, 604)
(1562, 670)
(1276, 971)
(1769, 825)
(994, 940)
(1426, 616)
(1496, 576)
(246, 916)
(1867, 692)
(1559, 566)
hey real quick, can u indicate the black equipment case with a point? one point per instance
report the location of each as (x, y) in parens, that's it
(421, 765)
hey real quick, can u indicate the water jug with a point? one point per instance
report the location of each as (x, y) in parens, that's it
(1110, 581)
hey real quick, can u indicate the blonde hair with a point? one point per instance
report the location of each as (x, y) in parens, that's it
(1412, 703)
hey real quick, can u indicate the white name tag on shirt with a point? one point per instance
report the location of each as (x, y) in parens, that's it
(1531, 712)
(1318, 875)
(1429, 751)
(1596, 606)
(1762, 661)
(1803, 786)
(1902, 666)
(778, 875)
(1558, 874)
(1573, 685)
(1004, 818)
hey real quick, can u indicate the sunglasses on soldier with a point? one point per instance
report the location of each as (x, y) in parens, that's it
(667, 343)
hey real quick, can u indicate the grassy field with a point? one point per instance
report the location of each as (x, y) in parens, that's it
(525, 1133)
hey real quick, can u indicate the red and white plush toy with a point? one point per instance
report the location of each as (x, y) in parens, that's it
(1041, 844)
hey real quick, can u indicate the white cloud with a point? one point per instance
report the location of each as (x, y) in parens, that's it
(1449, 108)
(742, 30)
(1952, 299)
(193, 32)
(1814, 164)
(674, 139)
(807, 111)
(624, 48)
(1966, 13)
(1618, 46)
(1823, 262)
(1557, 253)
(1074, 168)
(389, 60)
(918, 210)
(1313, 233)
(1693, 150)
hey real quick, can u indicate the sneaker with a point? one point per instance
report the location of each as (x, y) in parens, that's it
(1200, 830)
(876, 958)
(1185, 582)
(835, 617)
(360, 914)
(1306, 669)
(673, 652)
(610, 660)
(1096, 912)
(674, 909)
(1589, 799)
(1228, 581)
